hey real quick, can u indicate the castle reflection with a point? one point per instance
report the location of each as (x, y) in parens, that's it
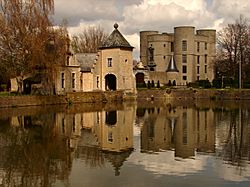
(39, 149)
(184, 130)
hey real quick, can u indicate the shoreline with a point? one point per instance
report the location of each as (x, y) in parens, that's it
(167, 95)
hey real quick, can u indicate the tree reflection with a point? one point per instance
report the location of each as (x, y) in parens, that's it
(33, 154)
(235, 149)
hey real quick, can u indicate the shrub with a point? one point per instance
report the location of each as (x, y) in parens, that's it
(158, 84)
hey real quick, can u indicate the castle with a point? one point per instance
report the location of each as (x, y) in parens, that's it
(177, 58)
(109, 70)
(174, 59)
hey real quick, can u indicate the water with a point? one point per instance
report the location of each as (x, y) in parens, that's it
(130, 144)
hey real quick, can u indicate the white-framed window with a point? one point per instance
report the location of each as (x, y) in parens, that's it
(109, 62)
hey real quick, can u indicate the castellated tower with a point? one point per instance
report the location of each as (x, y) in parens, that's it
(189, 53)
(184, 52)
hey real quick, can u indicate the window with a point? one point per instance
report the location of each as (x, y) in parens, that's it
(81, 84)
(164, 57)
(198, 78)
(97, 118)
(184, 45)
(205, 45)
(198, 69)
(63, 125)
(172, 46)
(73, 80)
(184, 69)
(205, 59)
(110, 137)
(184, 78)
(111, 118)
(198, 46)
(63, 80)
(184, 128)
(74, 124)
(164, 45)
(151, 54)
(205, 68)
(97, 81)
(184, 59)
(67, 60)
(109, 62)
(198, 59)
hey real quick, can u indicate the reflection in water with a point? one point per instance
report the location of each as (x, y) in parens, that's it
(184, 130)
(32, 153)
(40, 149)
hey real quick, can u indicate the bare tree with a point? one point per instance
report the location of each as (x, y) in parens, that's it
(233, 44)
(88, 40)
(27, 40)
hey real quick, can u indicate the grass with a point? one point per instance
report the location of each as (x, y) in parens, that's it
(5, 94)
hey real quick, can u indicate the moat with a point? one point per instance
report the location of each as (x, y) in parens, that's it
(144, 143)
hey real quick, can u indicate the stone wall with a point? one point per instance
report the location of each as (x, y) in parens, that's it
(14, 101)
(111, 96)
(69, 98)
(183, 94)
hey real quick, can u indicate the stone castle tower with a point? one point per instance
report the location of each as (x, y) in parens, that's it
(180, 57)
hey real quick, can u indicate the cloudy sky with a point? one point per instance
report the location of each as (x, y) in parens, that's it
(134, 16)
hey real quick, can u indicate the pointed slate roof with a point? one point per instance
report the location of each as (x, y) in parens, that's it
(172, 65)
(116, 40)
(86, 61)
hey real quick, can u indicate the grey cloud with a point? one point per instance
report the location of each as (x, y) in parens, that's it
(89, 10)
(76, 11)
(231, 10)
(163, 18)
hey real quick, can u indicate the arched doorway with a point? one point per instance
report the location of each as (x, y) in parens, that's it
(139, 78)
(110, 82)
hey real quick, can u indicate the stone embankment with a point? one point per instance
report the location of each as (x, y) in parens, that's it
(69, 98)
(110, 96)
(187, 94)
